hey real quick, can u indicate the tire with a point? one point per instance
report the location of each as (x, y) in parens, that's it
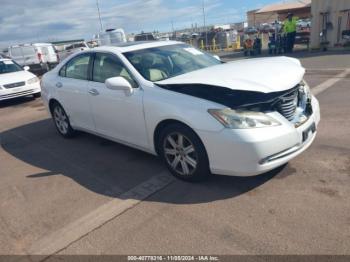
(61, 121)
(183, 153)
(37, 95)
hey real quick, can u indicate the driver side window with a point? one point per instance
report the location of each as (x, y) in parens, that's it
(108, 66)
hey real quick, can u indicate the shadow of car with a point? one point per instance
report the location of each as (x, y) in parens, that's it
(100, 165)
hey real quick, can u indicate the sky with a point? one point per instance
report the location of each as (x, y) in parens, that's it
(23, 21)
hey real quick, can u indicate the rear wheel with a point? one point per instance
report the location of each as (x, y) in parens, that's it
(61, 121)
(183, 153)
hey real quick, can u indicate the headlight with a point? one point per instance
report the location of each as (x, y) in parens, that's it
(304, 88)
(32, 80)
(242, 119)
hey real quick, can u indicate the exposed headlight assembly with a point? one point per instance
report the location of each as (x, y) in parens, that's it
(234, 119)
(305, 89)
(33, 80)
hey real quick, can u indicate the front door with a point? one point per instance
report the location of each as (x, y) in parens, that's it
(116, 114)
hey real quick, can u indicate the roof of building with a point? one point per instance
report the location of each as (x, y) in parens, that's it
(67, 41)
(285, 6)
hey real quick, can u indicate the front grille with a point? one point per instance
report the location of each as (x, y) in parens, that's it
(288, 104)
(13, 85)
(13, 95)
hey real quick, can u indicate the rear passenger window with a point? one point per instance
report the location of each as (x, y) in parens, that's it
(77, 68)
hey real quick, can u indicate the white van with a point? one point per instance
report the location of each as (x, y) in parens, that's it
(40, 57)
(111, 37)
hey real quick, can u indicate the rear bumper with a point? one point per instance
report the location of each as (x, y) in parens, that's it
(26, 90)
(255, 151)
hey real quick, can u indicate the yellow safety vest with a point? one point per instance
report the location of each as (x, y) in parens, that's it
(290, 26)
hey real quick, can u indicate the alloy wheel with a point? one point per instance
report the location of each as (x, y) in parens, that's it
(61, 120)
(180, 154)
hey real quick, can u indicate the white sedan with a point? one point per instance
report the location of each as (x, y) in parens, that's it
(201, 116)
(16, 81)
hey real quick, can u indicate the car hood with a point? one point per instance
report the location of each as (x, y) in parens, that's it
(263, 75)
(15, 77)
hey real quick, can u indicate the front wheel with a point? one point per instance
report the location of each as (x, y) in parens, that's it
(184, 153)
(61, 121)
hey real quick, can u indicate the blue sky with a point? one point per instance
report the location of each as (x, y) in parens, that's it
(24, 21)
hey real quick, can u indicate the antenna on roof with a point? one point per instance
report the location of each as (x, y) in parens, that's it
(99, 15)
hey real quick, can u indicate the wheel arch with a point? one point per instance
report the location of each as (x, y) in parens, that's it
(163, 124)
(52, 102)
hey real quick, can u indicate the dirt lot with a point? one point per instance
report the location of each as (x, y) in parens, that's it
(92, 196)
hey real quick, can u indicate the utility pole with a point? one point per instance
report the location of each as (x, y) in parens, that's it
(204, 23)
(172, 27)
(99, 15)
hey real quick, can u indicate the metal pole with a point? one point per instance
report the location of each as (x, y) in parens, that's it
(172, 27)
(204, 23)
(99, 15)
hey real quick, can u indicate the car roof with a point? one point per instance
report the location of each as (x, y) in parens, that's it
(5, 59)
(134, 46)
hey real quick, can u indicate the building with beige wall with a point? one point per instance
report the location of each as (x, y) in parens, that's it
(332, 19)
(279, 11)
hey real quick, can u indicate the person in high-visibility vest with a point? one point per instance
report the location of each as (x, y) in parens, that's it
(290, 29)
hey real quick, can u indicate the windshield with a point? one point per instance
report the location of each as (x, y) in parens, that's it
(8, 66)
(159, 63)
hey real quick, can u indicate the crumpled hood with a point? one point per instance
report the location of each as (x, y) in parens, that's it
(15, 77)
(264, 75)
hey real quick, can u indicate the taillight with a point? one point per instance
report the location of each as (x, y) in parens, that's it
(39, 57)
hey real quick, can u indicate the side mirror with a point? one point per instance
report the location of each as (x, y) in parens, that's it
(217, 57)
(26, 68)
(119, 83)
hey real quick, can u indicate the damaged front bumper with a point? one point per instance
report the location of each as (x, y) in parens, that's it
(251, 152)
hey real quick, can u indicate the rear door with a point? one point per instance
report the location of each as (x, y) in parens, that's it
(42, 50)
(30, 55)
(48, 54)
(72, 88)
(51, 53)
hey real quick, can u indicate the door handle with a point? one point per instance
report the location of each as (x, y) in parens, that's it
(59, 85)
(93, 92)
